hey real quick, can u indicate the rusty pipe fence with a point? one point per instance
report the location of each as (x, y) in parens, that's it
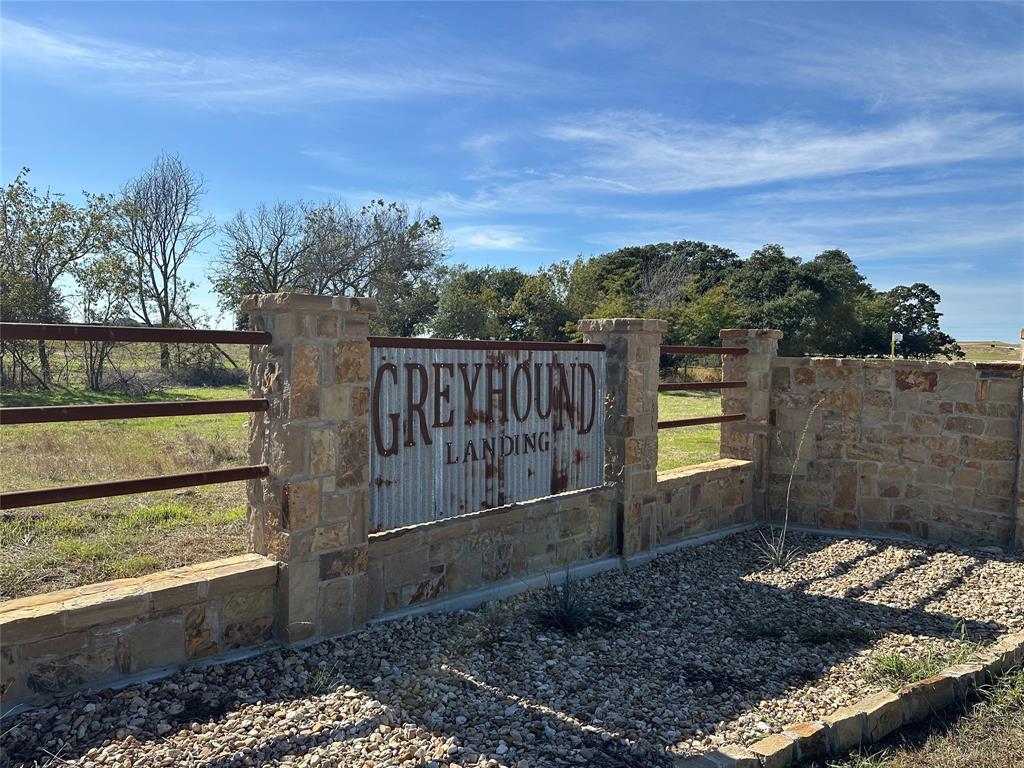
(61, 413)
(701, 385)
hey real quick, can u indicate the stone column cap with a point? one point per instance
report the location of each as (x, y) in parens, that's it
(747, 333)
(647, 324)
(304, 302)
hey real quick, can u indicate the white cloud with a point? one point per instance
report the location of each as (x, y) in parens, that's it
(485, 237)
(233, 81)
(945, 63)
(657, 155)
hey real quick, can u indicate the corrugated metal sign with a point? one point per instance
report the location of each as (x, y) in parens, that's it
(459, 426)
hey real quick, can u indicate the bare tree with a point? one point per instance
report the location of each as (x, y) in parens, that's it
(366, 251)
(379, 250)
(160, 225)
(43, 237)
(264, 252)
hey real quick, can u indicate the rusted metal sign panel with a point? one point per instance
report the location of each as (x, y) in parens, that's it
(456, 430)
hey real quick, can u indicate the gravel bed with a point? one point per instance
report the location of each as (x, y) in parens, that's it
(698, 648)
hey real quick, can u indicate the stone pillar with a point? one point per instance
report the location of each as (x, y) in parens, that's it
(1018, 538)
(749, 439)
(631, 428)
(310, 514)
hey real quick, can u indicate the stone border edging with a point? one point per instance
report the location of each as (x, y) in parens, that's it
(870, 719)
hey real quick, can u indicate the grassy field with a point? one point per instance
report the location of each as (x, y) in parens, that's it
(990, 351)
(65, 545)
(682, 446)
(990, 734)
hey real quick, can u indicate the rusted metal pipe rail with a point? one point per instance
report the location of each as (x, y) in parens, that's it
(52, 413)
(128, 333)
(17, 499)
(402, 342)
(683, 350)
(701, 420)
(695, 385)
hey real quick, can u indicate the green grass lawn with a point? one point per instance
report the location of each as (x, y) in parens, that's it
(683, 446)
(64, 545)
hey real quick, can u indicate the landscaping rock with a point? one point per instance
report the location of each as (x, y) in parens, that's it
(701, 651)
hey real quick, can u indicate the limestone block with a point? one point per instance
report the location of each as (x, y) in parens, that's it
(846, 728)
(811, 739)
(300, 505)
(775, 751)
(157, 643)
(926, 697)
(883, 714)
(303, 385)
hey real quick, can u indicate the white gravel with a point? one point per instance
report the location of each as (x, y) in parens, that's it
(702, 648)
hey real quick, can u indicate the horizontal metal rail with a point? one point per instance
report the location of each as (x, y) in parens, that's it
(701, 420)
(402, 342)
(50, 413)
(17, 499)
(678, 350)
(66, 332)
(686, 385)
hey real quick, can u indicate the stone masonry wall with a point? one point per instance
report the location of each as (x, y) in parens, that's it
(632, 349)
(413, 565)
(704, 498)
(92, 635)
(310, 514)
(911, 447)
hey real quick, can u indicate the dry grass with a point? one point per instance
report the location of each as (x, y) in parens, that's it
(990, 351)
(64, 545)
(989, 734)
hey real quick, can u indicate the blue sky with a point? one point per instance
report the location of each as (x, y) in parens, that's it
(538, 132)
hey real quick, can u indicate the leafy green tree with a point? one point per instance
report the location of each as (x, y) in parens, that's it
(477, 304)
(540, 308)
(105, 285)
(44, 238)
(836, 328)
(872, 311)
(699, 320)
(660, 275)
(914, 315)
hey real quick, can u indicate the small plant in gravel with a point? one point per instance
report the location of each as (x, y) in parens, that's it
(569, 609)
(325, 680)
(776, 554)
(821, 634)
(895, 669)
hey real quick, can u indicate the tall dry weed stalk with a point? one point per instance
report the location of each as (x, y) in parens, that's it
(775, 553)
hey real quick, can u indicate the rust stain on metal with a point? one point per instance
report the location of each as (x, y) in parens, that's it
(476, 426)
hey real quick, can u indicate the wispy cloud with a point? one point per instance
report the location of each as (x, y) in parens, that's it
(946, 64)
(486, 237)
(889, 187)
(233, 81)
(651, 153)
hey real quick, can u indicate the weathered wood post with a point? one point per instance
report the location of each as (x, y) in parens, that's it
(310, 513)
(748, 439)
(632, 347)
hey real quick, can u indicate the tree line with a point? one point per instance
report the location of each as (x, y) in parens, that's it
(120, 259)
(824, 306)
